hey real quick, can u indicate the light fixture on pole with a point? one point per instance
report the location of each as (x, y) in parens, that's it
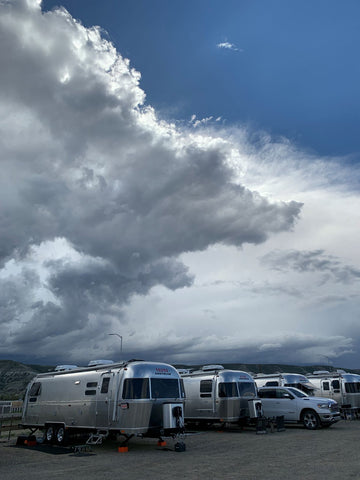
(327, 358)
(121, 340)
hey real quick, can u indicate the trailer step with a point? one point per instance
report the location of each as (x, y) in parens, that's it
(96, 438)
(81, 449)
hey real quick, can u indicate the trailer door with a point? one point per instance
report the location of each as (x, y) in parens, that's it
(206, 406)
(103, 403)
(326, 390)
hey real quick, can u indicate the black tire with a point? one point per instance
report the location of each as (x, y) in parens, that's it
(310, 419)
(61, 436)
(49, 436)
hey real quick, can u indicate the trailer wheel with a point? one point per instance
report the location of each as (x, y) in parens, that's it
(61, 437)
(49, 434)
(310, 419)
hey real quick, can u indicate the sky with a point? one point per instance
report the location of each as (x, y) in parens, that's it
(182, 174)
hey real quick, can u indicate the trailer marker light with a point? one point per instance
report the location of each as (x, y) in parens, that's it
(124, 406)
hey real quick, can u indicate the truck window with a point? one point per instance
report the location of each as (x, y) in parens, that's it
(247, 389)
(283, 394)
(205, 388)
(228, 389)
(267, 393)
(135, 388)
(298, 393)
(165, 388)
(272, 384)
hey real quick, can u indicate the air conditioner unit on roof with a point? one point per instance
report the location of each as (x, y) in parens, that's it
(205, 368)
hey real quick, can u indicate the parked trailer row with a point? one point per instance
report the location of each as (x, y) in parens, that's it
(340, 386)
(155, 400)
(214, 394)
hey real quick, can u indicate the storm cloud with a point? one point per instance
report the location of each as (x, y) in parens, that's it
(98, 196)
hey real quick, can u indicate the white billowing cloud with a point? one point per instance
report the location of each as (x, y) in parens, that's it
(300, 284)
(98, 197)
(194, 244)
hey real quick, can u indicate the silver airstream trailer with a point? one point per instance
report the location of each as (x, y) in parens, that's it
(295, 380)
(129, 398)
(214, 394)
(341, 386)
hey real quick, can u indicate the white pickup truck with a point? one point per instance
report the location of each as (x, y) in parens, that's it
(297, 407)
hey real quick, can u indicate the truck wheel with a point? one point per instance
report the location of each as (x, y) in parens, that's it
(49, 434)
(61, 437)
(310, 419)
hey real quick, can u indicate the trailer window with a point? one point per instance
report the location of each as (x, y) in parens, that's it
(228, 389)
(182, 388)
(352, 387)
(35, 389)
(90, 392)
(300, 386)
(105, 385)
(335, 385)
(165, 388)
(205, 388)
(272, 383)
(135, 388)
(326, 386)
(247, 389)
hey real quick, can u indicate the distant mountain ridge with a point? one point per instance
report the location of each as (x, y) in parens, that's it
(14, 376)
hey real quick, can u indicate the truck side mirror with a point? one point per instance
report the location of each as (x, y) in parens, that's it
(287, 395)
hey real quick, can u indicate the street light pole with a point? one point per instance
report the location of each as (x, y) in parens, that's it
(327, 358)
(121, 340)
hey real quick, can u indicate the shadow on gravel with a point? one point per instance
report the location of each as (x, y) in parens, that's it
(54, 450)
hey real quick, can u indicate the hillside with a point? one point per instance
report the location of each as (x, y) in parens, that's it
(15, 376)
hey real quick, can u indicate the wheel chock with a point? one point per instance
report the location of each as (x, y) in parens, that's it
(123, 449)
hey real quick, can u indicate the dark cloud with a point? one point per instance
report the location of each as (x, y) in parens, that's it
(286, 349)
(312, 261)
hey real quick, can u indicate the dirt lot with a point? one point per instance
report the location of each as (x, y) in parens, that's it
(330, 453)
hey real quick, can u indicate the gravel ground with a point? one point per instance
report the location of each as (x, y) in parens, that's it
(330, 453)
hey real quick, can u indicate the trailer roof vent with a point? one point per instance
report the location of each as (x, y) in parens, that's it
(93, 363)
(321, 372)
(62, 368)
(183, 371)
(206, 368)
